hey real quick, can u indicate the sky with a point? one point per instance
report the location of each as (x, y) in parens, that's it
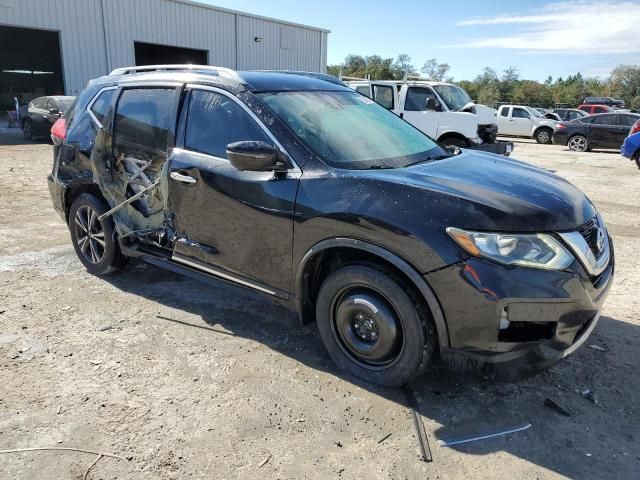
(539, 38)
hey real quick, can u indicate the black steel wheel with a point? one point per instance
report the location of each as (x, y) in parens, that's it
(93, 239)
(372, 325)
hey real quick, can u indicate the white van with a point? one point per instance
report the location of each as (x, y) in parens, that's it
(443, 111)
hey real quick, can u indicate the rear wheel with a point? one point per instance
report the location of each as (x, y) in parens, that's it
(27, 129)
(578, 143)
(372, 325)
(93, 239)
(543, 135)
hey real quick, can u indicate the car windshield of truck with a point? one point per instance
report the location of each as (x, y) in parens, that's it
(455, 97)
(349, 130)
(534, 112)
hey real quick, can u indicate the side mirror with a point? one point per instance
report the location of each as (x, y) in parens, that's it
(432, 104)
(254, 156)
(54, 111)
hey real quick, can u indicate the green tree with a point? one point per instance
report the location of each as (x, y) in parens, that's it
(435, 71)
(403, 66)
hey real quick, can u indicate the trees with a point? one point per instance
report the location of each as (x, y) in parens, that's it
(403, 66)
(435, 71)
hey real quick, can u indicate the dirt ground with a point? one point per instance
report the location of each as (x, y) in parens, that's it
(183, 380)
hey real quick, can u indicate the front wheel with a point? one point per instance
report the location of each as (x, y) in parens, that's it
(543, 135)
(373, 327)
(93, 239)
(454, 142)
(578, 143)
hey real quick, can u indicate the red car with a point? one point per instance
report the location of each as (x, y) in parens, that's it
(591, 109)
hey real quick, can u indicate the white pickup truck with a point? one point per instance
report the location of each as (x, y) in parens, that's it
(443, 111)
(524, 121)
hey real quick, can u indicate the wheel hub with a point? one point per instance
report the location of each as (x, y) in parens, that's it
(89, 234)
(367, 327)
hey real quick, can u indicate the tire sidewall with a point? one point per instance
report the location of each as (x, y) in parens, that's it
(585, 141)
(539, 140)
(416, 345)
(111, 258)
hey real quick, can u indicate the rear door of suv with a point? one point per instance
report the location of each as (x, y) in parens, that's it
(237, 225)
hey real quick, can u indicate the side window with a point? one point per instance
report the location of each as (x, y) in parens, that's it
(144, 120)
(605, 120)
(383, 94)
(214, 121)
(364, 90)
(504, 111)
(520, 113)
(40, 103)
(102, 106)
(416, 100)
(628, 120)
(51, 104)
(599, 110)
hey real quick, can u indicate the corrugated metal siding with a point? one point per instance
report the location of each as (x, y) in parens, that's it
(283, 46)
(77, 21)
(90, 50)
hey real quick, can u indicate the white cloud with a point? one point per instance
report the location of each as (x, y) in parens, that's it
(574, 27)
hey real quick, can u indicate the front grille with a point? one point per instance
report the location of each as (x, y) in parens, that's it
(589, 232)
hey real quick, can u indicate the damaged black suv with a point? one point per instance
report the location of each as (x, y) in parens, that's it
(293, 185)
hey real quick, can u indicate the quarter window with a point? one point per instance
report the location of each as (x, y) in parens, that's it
(416, 100)
(383, 94)
(145, 119)
(102, 107)
(504, 112)
(215, 120)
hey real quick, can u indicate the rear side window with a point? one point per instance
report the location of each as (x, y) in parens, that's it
(628, 120)
(40, 103)
(504, 111)
(417, 99)
(215, 120)
(383, 94)
(364, 90)
(145, 119)
(605, 120)
(599, 109)
(102, 106)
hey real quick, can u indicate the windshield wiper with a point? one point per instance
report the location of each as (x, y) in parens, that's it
(430, 158)
(378, 167)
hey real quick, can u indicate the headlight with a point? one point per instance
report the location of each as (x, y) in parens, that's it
(538, 250)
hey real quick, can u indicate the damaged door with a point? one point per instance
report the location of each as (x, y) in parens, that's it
(128, 165)
(237, 225)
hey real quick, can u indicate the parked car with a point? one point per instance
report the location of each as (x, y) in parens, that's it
(607, 130)
(631, 145)
(546, 113)
(443, 111)
(594, 109)
(568, 114)
(297, 187)
(524, 121)
(42, 113)
(612, 102)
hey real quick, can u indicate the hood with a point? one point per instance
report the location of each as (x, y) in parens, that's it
(486, 115)
(545, 121)
(476, 190)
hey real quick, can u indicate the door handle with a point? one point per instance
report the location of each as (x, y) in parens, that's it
(186, 179)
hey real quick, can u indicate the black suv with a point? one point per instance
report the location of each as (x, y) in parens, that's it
(293, 185)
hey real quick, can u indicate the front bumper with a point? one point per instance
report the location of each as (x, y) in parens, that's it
(511, 322)
(500, 147)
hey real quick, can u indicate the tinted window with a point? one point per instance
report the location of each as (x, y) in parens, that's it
(40, 103)
(628, 120)
(103, 106)
(599, 109)
(145, 119)
(215, 121)
(51, 103)
(364, 89)
(605, 120)
(383, 95)
(520, 113)
(504, 112)
(417, 98)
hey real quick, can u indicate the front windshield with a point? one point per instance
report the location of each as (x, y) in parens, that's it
(349, 130)
(453, 96)
(535, 112)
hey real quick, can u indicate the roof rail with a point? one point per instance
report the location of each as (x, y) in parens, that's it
(220, 71)
(320, 76)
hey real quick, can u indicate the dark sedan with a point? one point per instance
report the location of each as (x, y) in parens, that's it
(42, 113)
(568, 114)
(607, 130)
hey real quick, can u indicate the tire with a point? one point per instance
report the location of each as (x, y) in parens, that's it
(93, 240)
(27, 129)
(373, 326)
(454, 142)
(578, 143)
(636, 157)
(543, 136)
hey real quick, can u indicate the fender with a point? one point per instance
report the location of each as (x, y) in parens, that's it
(418, 281)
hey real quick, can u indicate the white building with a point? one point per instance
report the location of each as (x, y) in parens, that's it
(56, 46)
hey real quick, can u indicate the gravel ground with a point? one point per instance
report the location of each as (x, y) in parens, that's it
(183, 380)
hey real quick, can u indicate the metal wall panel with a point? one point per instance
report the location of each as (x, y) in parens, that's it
(97, 36)
(282, 46)
(78, 21)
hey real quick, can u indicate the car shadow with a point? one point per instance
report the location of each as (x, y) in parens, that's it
(596, 386)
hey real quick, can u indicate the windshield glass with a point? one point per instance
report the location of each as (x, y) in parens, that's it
(349, 130)
(453, 96)
(534, 112)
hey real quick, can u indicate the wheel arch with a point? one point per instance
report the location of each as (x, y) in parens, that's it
(452, 134)
(310, 273)
(75, 191)
(541, 127)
